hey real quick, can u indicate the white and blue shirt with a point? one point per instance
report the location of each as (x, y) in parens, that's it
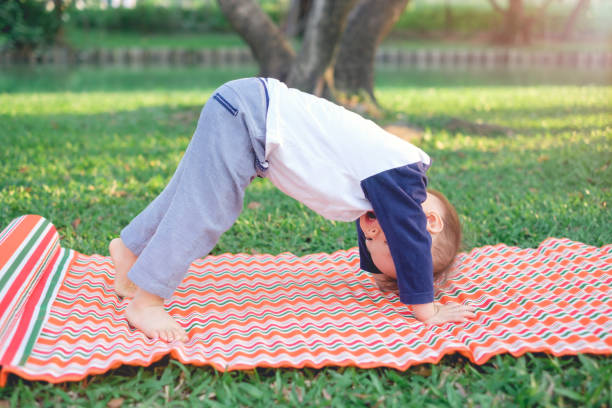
(342, 165)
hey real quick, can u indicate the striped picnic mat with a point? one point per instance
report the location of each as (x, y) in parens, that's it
(60, 320)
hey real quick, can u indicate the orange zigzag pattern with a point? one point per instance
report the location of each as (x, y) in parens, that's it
(244, 311)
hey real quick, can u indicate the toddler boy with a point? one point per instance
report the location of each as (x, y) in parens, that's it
(337, 163)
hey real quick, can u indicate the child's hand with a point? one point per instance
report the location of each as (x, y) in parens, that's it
(450, 312)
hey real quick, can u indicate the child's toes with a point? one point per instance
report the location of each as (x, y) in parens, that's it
(179, 334)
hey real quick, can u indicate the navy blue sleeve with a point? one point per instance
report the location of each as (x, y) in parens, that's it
(396, 196)
(365, 260)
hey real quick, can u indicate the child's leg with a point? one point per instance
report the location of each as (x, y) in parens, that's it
(134, 237)
(139, 231)
(123, 259)
(207, 199)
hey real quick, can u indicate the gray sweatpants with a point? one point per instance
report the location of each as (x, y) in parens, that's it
(205, 195)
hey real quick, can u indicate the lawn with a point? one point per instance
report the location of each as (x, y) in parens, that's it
(99, 38)
(89, 148)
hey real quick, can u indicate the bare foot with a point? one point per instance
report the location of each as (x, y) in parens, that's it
(146, 312)
(123, 259)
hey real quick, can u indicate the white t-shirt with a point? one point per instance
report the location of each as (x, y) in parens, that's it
(319, 152)
(342, 165)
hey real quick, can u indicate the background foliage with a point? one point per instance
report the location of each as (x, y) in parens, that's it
(26, 24)
(30, 23)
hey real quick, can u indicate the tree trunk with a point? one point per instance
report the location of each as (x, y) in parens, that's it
(292, 22)
(517, 25)
(512, 17)
(366, 22)
(367, 25)
(512, 24)
(296, 17)
(529, 22)
(448, 18)
(269, 46)
(325, 24)
(570, 24)
(58, 12)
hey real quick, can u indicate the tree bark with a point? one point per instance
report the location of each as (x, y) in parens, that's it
(512, 25)
(324, 26)
(366, 22)
(296, 17)
(496, 6)
(369, 22)
(58, 12)
(512, 18)
(529, 22)
(570, 24)
(269, 46)
(518, 25)
(448, 18)
(292, 22)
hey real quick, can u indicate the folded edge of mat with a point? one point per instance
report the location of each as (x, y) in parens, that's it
(32, 268)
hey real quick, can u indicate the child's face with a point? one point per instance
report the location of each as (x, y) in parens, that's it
(376, 242)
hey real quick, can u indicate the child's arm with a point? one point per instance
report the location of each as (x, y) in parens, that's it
(438, 313)
(396, 196)
(430, 313)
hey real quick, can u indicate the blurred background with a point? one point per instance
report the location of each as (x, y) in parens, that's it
(326, 47)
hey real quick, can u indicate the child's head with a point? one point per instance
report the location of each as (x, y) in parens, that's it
(443, 225)
(446, 243)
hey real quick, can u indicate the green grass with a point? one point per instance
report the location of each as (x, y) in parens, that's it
(98, 144)
(409, 42)
(97, 38)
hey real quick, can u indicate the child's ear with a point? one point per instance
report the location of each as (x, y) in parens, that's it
(435, 223)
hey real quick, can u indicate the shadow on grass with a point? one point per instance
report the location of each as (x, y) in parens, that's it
(53, 130)
(561, 110)
(105, 168)
(498, 129)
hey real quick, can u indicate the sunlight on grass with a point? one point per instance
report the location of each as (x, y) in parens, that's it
(100, 153)
(27, 104)
(77, 154)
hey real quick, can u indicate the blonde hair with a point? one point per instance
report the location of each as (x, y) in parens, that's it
(444, 249)
(448, 242)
